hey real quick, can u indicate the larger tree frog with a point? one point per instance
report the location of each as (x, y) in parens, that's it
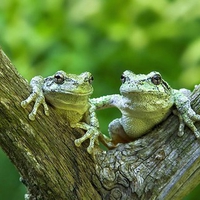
(145, 101)
(68, 92)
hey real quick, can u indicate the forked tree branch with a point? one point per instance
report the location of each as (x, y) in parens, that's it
(159, 165)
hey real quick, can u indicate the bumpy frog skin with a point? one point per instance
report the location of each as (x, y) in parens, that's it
(145, 101)
(71, 93)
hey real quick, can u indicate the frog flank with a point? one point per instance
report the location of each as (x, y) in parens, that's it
(145, 100)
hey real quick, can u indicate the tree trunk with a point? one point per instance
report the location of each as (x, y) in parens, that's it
(159, 165)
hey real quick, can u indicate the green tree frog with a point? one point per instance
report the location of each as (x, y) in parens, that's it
(68, 92)
(145, 101)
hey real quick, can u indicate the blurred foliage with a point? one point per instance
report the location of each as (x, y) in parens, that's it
(105, 38)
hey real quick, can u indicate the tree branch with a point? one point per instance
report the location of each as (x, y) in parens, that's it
(43, 150)
(159, 165)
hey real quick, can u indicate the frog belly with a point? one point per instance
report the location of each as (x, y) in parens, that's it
(138, 126)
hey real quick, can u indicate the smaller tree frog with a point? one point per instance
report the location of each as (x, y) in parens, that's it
(145, 101)
(68, 92)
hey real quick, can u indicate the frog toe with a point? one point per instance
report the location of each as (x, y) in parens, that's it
(93, 140)
(23, 104)
(31, 116)
(77, 142)
(46, 110)
(194, 129)
(90, 149)
(197, 134)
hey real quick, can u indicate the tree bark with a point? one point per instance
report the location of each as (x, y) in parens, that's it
(160, 165)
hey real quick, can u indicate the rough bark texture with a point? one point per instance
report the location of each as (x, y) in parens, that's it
(42, 150)
(160, 165)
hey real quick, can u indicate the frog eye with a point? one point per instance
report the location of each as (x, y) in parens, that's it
(156, 79)
(59, 78)
(89, 79)
(123, 78)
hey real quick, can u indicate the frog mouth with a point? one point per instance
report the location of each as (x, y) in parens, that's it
(78, 94)
(73, 93)
(136, 92)
(140, 91)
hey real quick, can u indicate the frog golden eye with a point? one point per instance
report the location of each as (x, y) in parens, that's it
(123, 78)
(156, 79)
(59, 78)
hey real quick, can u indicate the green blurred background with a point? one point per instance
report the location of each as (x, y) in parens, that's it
(104, 37)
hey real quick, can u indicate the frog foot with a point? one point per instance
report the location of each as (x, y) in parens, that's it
(92, 134)
(39, 99)
(188, 119)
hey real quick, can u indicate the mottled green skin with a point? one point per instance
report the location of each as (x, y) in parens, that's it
(145, 101)
(71, 93)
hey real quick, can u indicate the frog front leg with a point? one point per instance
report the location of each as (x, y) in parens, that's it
(92, 130)
(186, 114)
(37, 96)
(116, 130)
